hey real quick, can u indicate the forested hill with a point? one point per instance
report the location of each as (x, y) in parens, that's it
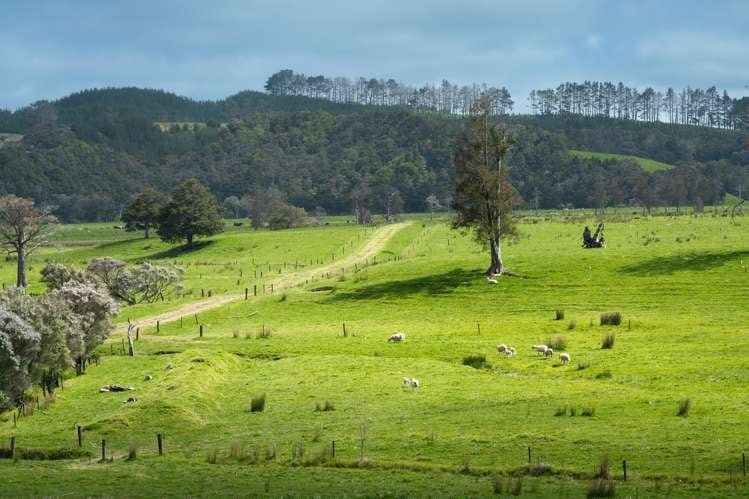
(89, 153)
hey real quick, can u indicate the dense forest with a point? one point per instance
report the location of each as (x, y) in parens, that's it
(90, 153)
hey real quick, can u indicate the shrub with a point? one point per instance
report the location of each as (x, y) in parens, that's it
(608, 341)
(132, 451)
(602, 487)
(572, 325)
(557, 342)
(558, 315)
(588, 411)
(257, 403)
(561, 411)
(611, 318)
(684, 407)
(604, 375)
(477, 361)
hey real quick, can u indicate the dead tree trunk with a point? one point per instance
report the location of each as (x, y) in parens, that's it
(130, 349)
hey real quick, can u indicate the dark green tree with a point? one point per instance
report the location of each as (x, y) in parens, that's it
(144, 211)
(483, 193)
(192, 212)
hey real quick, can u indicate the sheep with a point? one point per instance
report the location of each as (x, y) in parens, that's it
(406, 382)
(548, 353)
(540, 349)
(414, 383)
(491, 281)
(501, 348)
(565, 358)
(397, 337)
(509, 353)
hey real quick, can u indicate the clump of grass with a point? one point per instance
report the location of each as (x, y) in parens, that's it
(582, 365)
(324, 407)
(561, 411)
(498, 484)
(270, 452)
(539, 469)
(237, 451)
(611, 318)
(684, 407)
(604, 468)
(588, 411)
(557, 342)
(608, 341)
(572, 325)
(248, 336)
(132, 451)
(297, 451)
(264, 333)
(515, 488)
(558, 314)
(604, 375)
(477, 361)
(257, 403)
(211, 456)
(573, 412)
(602, 487)
(283, 297)
(325, 455)
(235, 334)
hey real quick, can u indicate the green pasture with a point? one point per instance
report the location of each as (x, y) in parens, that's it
(680, 283)
(648, 165)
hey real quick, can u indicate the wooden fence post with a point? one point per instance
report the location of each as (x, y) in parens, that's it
(137, 333)
(201, 330)
(743, 462)
(478, 328)
(246, 293)
(624, 467)
(529, 456)
(13, 448)
(254, 290)
(333, 449)
(103, 450)
(160, 442)
(158, 326)
(79, 430)
(344, 330)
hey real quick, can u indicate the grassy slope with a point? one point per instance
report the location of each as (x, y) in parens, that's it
(648, 165)
(684, 291)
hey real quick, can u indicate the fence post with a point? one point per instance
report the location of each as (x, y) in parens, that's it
(344, 330)
(478, 328)
(333, 448)
(13, 448)
(201, 330)
(743, 462)
(254, 290)
(529, 456)
(79, 430)
(246, 293)
(160, 442)
(137, 333)
(103, 450)
(624, 467)
(158, 326)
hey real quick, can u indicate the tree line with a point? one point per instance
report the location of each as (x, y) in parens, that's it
(445, 98)
(689, 106)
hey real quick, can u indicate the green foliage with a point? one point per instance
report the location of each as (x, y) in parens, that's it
(477, 361)
(144, 211)
(611, 319)
(608, 341)
(684, 407)
(191, 212)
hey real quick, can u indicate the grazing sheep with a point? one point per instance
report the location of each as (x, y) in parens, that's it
(565, 358)
(397, 337)
(548, 353)
(406, 381)
(501, 348)
(414, 383)
(509, 353)
(148, 377)
(540, 349)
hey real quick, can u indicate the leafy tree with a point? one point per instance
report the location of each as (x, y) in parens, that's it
(23, 228)
(286, 216)
(19, 346)
(192, 212)
(144, 211)
(262, 203)
(433, 204)
(483, 194)
(144, 283)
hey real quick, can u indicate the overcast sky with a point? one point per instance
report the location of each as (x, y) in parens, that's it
(212, 49)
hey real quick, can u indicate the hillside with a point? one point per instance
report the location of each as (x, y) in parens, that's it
(89, 153)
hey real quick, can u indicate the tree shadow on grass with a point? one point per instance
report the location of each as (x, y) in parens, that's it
(697, 261)
(183, 250)
(430, 285)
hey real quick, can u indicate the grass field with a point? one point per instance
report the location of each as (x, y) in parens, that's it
(681, 285)
(648, 165)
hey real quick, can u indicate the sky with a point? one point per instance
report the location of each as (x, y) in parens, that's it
(213, 49)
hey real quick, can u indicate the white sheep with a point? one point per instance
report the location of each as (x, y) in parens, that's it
(397, 337)
(565, 358)
(406, 381)
(509, 353)
(501, 348)
(549, 353)
(540, 349)
(491, 281)
(414, 383)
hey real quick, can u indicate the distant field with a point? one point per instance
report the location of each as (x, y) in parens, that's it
(466, 430)
(7, 138)
(647, 165)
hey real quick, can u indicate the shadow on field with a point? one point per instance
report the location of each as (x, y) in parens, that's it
(182, 250)
(431, 285)
(663, 265)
